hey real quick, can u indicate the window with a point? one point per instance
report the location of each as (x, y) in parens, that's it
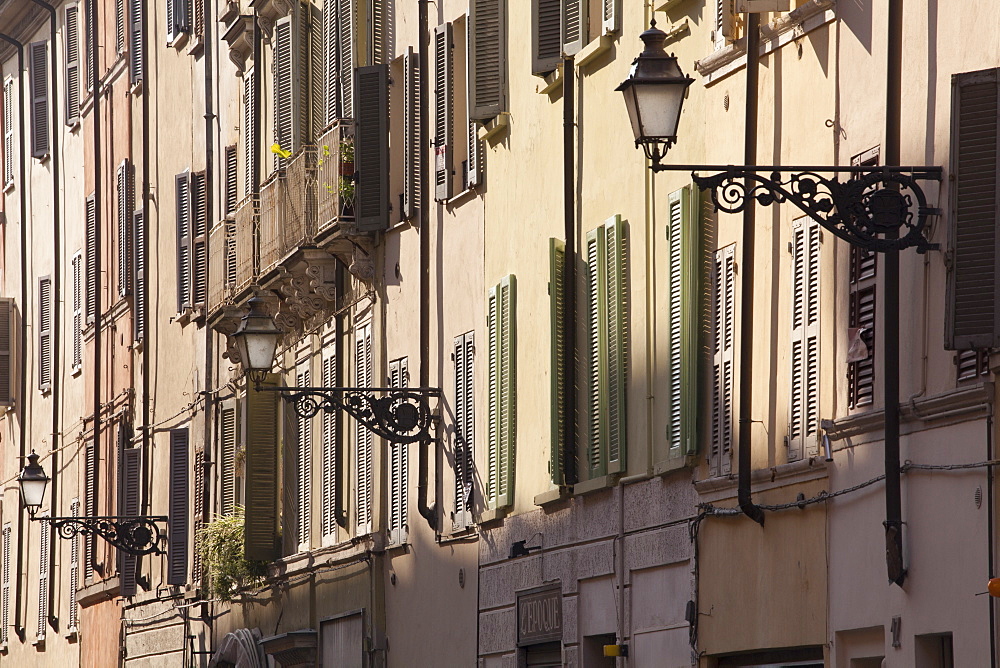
(231, 192)
(182, 192)
(465, 452)
(725, 23)
(362, 435)
(178, 19)
(38, 78)
(723, 331)
(136, 48)
(487, 58)
(803, 404)
(91, 268)
(88, 12)
(339, 26)
(44, 333)
(192, 239)
(290, 85)
(330, 445)
(607, 359)
(304, 465)
(124, 195)
(177, 548)
(77, 269)
(72, 63)
(44, 563)
(561, 27)
(399, 466)
(501, 400)
(8, 132)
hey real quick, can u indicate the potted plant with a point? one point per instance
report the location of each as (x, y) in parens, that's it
(228, 570)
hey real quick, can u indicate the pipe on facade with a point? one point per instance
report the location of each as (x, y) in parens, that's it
(95, 82)
(990, 536)
(747, 505)
(210, 189)
(569, 274)
(146, 210)
(22, 399)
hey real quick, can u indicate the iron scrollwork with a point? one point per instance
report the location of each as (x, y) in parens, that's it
(873, 210)
(136, 536)
(400, 416)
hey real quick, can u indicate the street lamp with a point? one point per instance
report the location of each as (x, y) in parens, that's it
(257, 340)
(132, 535)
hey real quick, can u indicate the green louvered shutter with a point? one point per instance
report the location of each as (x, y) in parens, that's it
(557, 310)
(597, 359)
(683, 283)
(617, 334)
(502, 402)
(260, 440)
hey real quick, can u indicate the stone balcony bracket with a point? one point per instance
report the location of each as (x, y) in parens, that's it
(268, 13)
(239, 37)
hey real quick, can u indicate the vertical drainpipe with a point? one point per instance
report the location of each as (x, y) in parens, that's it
(747, 505)
(255, 157)
(95, 82)
(147, 436)
(890, 316)
(22, 400)
(569, 271)
(209, 189)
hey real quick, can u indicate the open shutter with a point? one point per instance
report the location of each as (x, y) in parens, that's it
(611, 16)
(260, 438)
(8, 131)
(44, 333)
(546, 33)
(124, 221)
(90, 484)
(249, 132)
(464, 428)
(44, 543)
(330, 492)
(199, 238)
(139, 239)
(119, 26)
(136, 47)
(724, 296)
(231, 185)
(182, 201)
(200, 512)
(77, 269)
(288, 87)
(130, 472)
(972, 319)
(88, 13)
(399, 478)
(443, 47)
(617, 337)
(73, 618)
(72, 57)
(411, 135)
(724, 23)
(377, 38)
(229, 437)
(684, 289)
(6, 350)
(371, 147)
(91, 212)
(597, 362)
(557, 327)
(574, 25)
(502, 417)
(803, 412)
(38, 76)
(5, 588)
(304, 481)
(177, 549)
(346, 31)
(363, 436)
(487, 58)
(331, 70)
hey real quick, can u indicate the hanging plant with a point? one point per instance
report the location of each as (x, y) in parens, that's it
(222, 556)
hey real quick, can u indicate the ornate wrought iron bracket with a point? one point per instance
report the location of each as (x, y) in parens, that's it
(873, 209)
(401, 416)
(132, 535)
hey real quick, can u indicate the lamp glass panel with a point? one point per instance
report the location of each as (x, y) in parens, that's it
(659, 106)
(258, 349)
(633, 112)
(33, 491)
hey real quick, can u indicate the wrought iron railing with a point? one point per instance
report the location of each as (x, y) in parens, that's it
(335, 186)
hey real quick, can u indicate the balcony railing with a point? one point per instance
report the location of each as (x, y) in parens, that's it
(288, 210)
(247, 224)
(222, 263)
(335, 176)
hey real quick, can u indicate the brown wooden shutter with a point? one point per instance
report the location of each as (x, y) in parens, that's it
(130, 479)
(972, 319)
(38, 77)
(487, 58)
(72, 64)
(231, 193)
(5, 586)
(229, 442)
(200, 512)
(139, 237)
(91, 472)
(119, 26)
(304, 468)
(443, 46)
(362, 435)
(411, 135)
(371, 147)
(44, 333)
(177, 549)
(260, 439)
(135, 44)
(6, 350)
(77, 269)
(546, 36)
(346, 56)
(124, 221)
(8, 131)
(44, 570)
(182, 192)
(91, 232)
(464, 428)
(250, 139)
(399, 477)
(199, 238)
(73, 623)
(329, 513)
(88, 13)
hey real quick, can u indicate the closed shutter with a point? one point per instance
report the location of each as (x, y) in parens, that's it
(330, 444)
(199, 238)
(177, 548)
(139, 237)
(616, 261)
(91, 232)
(120, 26)
(124, 220)
(557, 327)
(6, 351)
(724, 23)
(44, 333)
(249, 132)
(90, 483)
(371, 147)
(8, 131)
(861, 374)
(724, 312)
(502, 399)
(972, 319)
(684, 289)
(5, 588)
(465, 348)
(260, 442)
(803, 412)
(229, 442)
(362, 435)
(136, 48)
(44, 545)
(411, 135)
(77, 268)
(131, 475)
(182, 202)
(487, 58)
(72, 56)
(304, 469)
(610, 16)
(547, 35)
(200, 514)
(38, 76)
(346, 60)
(443, 46)
(574, 25)
(399, 463)
(73, 623)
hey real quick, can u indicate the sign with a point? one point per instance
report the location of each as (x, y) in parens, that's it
(758, 6)
(539, 616)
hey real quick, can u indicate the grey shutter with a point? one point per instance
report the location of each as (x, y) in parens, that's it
(139, 238)
(120, 26)
(371, 147)
(724, 23)
(474, 174)
(88, 13)
(972, 319)
(557, 348)
(8, 131)
(231, 194)
(38, 76)
(136, 48)
(73, 618)
(44, 333)
(328, 513)
(331, 69)
(177, 548)
(443, 46)
(288, 87)
(487, 58)
(249, 132)
(574, 25)
(124, 220)
(724, 295)
(91, 232)
(260, 438)
(610, 16)
(315, 91)
(178, 18)
(199, 238)
(229, 437)
(464, 428)
(6, 351)
(44, 545)
(546, 33)
(77, 269)
(90, 484)
(171, 20)
(684, 289)
(363, 436)
(130, 472)
(803, 411)
(379, 44)
(501, 399)
(5, 588)
(347, 30)
(182, 201)
(399, 478)
(72, 65)
(304, 469)
(200, 513)
(411, 135)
